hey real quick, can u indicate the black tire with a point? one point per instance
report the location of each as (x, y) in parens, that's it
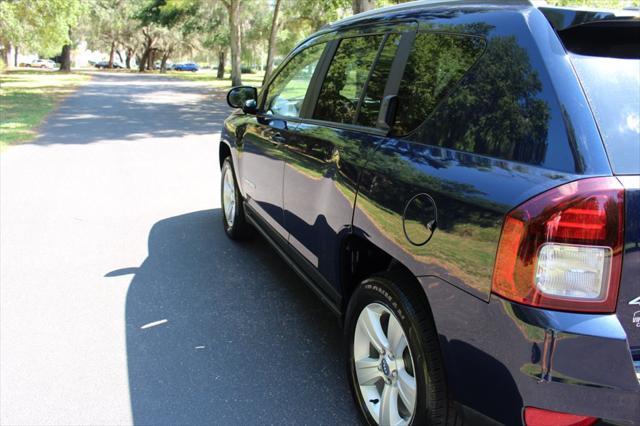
(397, 292)
(237, 228)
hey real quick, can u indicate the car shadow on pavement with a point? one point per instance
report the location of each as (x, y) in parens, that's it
(220, 332)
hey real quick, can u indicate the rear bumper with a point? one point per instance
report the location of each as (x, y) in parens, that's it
(501, 357)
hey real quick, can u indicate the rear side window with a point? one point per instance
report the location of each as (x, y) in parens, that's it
(288, 89)
(353, 88)
(436, 63)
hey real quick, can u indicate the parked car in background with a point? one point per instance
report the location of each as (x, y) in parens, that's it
(188, 66)
(105, 65)
(460, 183)
(158, 65)
(42, 63)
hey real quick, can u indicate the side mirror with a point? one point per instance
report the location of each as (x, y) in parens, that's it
(239, 96)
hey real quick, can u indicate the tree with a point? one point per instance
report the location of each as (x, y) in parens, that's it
(65, 55)
(110, 26)
(233, 8)
(214, 32)
(167, 26)
(272, 40)
(360, 6)
(37, 25)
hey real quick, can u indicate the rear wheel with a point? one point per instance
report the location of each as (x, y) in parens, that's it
(394, 364)
(235, 224)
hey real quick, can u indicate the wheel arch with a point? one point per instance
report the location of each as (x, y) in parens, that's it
(360, 258)
(223, 152)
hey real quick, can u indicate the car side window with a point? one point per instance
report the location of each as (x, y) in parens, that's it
(346, 78)
(436, 63)
(286, 93)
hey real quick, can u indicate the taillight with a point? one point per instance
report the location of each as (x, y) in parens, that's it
(538, 417)
(563, 249)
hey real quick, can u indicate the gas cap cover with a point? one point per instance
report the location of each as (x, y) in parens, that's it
(420, 219)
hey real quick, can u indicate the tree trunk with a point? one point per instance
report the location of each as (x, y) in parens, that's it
(152, 59)
(142, 63)
(272, 41)
(233, 6)
(65, 58)
(148, 45)
(221, 62)
(360, 6)
(5, 54)
(127, 61)
(15, 57)
(119, 56)
(111, 53)
(163, 62)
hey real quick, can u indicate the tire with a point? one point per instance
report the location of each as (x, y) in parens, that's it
(233, 218)
(382, 303)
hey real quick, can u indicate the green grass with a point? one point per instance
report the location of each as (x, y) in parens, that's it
(209, 77)
(27, 97)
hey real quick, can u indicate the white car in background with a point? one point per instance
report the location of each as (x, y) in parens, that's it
(42, 63)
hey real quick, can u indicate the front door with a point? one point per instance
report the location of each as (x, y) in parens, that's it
(261, 155)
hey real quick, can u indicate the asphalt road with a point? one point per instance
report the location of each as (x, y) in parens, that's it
(121, 299)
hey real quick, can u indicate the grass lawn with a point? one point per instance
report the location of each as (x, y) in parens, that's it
(27, 97)
(209, 77)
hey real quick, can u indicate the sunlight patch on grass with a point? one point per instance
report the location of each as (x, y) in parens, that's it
(27, 97)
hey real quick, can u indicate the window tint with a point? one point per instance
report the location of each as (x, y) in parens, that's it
(436, 63)
(346, 77)
(504, 109)
(370, 106)
(287, 91)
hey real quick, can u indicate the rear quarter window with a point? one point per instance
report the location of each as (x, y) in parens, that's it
(504, 107)
(436, 63)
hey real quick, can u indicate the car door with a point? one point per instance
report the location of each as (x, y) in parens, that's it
(261, 159)
(331, 144)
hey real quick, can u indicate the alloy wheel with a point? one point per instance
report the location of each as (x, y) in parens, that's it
(384, 366)
(229, 197)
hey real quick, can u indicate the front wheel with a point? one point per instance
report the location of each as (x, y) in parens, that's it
(233, 217)
(394, 362)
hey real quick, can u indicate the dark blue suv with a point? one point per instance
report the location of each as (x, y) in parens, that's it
(460, 183)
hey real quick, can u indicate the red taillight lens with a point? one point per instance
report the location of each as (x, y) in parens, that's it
(538, 417)
(563, 249)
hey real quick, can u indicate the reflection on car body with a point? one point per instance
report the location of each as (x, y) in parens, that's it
(444, 177)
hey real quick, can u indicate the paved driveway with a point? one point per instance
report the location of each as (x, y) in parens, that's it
(121, 299)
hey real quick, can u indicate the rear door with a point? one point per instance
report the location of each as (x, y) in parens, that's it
(331, 144)
(261, 157)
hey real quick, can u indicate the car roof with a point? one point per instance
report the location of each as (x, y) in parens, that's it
(415, 9)
(425, 10)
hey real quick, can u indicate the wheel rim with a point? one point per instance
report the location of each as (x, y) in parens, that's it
(228, 197)
(384, 366)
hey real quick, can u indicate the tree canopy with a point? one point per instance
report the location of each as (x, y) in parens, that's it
(249, 34)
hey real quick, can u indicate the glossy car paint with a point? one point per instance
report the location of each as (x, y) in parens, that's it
(319, 183)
